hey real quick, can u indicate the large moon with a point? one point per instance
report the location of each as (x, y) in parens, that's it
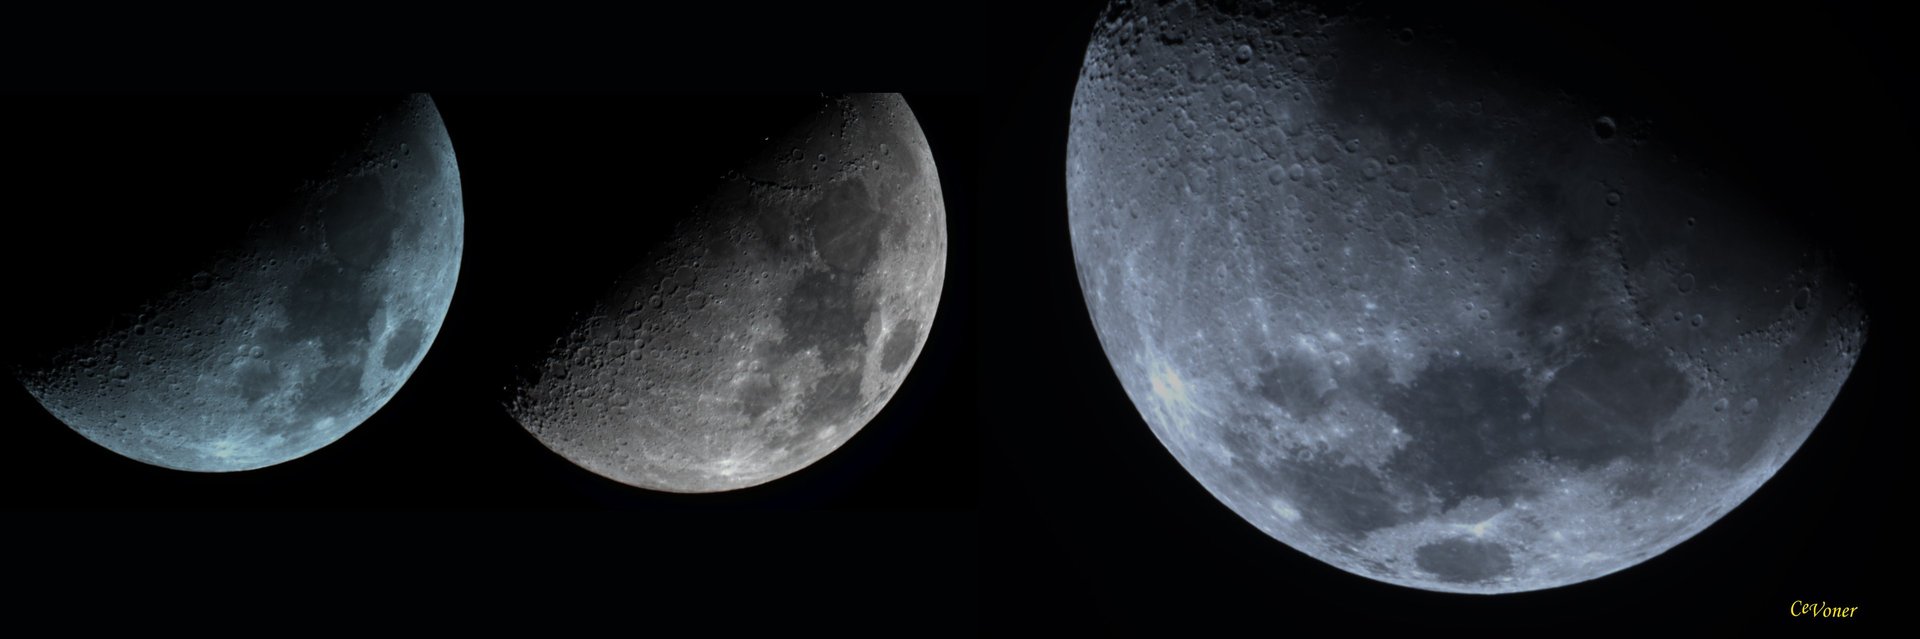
(287, 341)
(772, 325)
(1425, 322)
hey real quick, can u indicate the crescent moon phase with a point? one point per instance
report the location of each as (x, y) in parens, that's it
(1425, 322)
(284, 344)
(771, 326)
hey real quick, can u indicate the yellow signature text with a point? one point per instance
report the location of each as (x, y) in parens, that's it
(1821, 609)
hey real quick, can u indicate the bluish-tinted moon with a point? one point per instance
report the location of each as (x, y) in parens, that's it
(287, 343)
(776, 322)
(1426, 323)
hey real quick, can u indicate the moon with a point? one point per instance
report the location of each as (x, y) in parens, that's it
(284, 343)
(1427, 323)
(776, 321)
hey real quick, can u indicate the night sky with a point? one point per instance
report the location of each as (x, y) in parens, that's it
(1010, 482)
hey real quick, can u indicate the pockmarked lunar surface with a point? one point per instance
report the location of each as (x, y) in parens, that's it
(1424, 322)
(771, 326)
(285, 343)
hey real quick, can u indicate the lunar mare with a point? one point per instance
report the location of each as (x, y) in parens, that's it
(1427, 323)
(283, 345)
(775, 322)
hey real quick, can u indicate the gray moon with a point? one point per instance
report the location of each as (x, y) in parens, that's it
(1426, 323)
(774, 323)
(294, 338)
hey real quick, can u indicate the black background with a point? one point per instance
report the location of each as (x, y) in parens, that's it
(1010, 485)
